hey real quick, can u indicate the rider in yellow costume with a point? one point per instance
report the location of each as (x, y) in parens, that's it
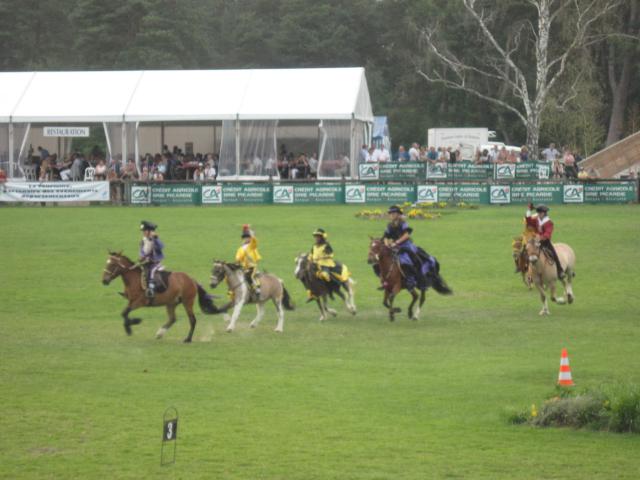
(248, 257)
(322, 256)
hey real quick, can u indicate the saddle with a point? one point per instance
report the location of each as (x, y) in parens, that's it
(160, 279)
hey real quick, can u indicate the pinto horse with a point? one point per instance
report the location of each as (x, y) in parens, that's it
(306, 272)
(393, 281)
(181, 288)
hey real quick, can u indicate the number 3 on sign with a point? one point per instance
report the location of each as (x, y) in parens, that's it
(169, 430)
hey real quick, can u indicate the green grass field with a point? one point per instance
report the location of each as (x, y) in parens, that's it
(354, 397)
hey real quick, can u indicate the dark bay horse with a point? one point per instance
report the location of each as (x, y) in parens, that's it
(181, 288)
(306, 270)
(392, 279)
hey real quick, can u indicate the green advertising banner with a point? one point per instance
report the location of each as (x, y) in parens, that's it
(379, 193)
(337, 193)
(236, 193)
(393, 171)
(459, 171)
(543, 193)
(468, 193)
(309, 193)
(614, 192)
(166, 194)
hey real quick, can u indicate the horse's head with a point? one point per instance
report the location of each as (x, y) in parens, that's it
(117, 264)
(376, 247)
(218, 273)
(533, 250)
(302, 265)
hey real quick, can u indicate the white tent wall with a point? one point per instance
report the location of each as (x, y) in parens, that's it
(228, 151)
(335, 147)
(258, 150)
(4, 147)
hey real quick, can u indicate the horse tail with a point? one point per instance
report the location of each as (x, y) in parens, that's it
(206, 302)
(286, 299)
(439, 285)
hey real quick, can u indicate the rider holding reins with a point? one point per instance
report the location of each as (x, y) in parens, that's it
(398, 236)
(322, 255)
(248, 257)
(544, 228)
(151, 255)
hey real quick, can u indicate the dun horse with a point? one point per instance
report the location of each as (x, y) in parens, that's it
(393, 279)
(271, 288)
(544, 273)
(181, 288)
(305, 271)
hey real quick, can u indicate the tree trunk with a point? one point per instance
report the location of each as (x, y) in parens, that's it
(620, 88)
(533, 136)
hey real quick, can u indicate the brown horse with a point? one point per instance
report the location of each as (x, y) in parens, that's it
(181, 288)
(392, 279)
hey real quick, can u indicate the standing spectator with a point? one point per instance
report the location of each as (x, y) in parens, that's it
(313, 164)
(44, 153)
(283, 167)
(422, 156)
(414, 152)
(493, 154)
(101, 170)
(270, 167)
(403, 156)
(3, 176)
(512, 157)
(384, 155)
(569, 164)
(210, 171)
(443, 154)
(483, 157)
(77, 173)
(375, 155)
(363, 157)
(257, 165)
(524, 154)
(371, 158)
(432, 156)
(198, 173)
(452, 155)
(503, 155)
(550, 154)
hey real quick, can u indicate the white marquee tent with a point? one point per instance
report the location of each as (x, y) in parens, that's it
(254, 110)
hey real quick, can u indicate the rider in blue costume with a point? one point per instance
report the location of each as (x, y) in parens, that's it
(414, 261)
(151, 255)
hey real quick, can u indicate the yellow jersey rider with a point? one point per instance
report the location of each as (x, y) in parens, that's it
(322, 255)
(248, 257)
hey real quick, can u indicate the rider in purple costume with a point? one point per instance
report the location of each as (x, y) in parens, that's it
(151, 255)
(398, 236)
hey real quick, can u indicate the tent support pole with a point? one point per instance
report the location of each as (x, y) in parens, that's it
(237, 147)
(11, 151)
(136, 143)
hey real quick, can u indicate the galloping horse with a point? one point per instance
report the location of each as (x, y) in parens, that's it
(181, 288)
(544, 273)
(393, 282)
(306, 270)
(271, 288)
(521, 259)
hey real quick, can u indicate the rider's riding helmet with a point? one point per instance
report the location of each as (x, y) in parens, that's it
(144, 225)
(394, 209)
(542, 208)
(320, 233)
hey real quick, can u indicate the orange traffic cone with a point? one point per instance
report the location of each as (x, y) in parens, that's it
(564, 377)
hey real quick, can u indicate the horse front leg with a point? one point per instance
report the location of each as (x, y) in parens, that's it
(241, 299)
(171, 313)
(349, 300)
(130, 321)
(259, 315)
(543, 298)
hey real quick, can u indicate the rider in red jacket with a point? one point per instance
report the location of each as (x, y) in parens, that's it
(544, 227)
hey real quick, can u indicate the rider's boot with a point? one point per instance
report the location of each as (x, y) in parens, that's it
(151, 290)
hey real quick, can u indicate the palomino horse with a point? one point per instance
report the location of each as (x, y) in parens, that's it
(181, 288)
(306, 270)
(544, 274)
(271, 288)
(392, 279)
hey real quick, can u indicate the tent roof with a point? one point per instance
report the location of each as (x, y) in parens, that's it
(12, 86)
(183, 95)
(76, 97)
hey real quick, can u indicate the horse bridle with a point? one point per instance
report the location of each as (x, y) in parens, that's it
(114, 274)
(396, 261)
(226, 277)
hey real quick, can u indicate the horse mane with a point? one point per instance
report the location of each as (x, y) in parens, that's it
(123, 257)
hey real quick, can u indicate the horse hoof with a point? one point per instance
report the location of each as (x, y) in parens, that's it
(229, 330)
(127, 329)
(252, 325)
(560, 301)
(135, 321)
(186, 340)
(544, 312)
(277, 330)
(570, 299)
